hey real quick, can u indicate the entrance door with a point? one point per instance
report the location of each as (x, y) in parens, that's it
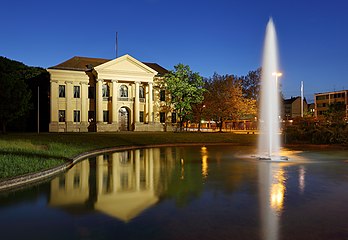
(123, 118)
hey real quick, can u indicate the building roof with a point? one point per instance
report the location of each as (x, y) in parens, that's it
(80, 63)
(290, 100)
(332, 92)
(85, 63)
(293, 99)
(161, 70)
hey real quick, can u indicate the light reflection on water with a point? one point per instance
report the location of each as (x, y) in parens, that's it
(209, 192)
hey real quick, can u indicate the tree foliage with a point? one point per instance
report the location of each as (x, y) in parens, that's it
(251, 84)
(224, 99)
(14, 93)
(332, 129)
(186, 89)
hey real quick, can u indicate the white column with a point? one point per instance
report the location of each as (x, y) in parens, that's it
(150, 168)
(136, 103)
(54, 101)
(99, 174)
(150, 103)
(99, 101)
(114, 118)
(147, 115)
(84, 99)
(137, 169)
(69, 96)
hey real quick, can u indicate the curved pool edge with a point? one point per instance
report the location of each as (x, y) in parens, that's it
(32, 178)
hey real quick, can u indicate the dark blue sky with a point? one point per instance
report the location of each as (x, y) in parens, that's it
(223, 36)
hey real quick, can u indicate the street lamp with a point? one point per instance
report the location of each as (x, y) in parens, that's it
(277, 75)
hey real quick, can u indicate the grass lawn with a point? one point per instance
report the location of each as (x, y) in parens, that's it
(28, 152)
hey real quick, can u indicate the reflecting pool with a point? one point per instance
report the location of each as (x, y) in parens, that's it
(196, 192)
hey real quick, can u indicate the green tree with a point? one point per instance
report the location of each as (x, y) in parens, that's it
(336, 113)
(186, 89)
(251, 84)
(14, 93)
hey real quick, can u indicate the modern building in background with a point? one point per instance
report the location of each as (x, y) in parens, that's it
(102, 95)
(323, 100)
(292, 108)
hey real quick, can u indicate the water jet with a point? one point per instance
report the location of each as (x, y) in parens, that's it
(269, 139)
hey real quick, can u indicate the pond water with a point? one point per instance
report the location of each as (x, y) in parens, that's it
(212, 192)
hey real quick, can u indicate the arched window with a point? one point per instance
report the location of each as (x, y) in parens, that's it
(123, 91)
(141, 92)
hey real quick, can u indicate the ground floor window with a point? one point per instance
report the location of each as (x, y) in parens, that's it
(162, 117)
(162, 95)
(105, 116)
(173, 117)
(141, 116)
(76, 115)
(61, 115)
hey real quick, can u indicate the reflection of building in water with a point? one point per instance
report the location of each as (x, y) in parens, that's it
(301, 179)
(122, 184)
(71, 188)
(272, 189)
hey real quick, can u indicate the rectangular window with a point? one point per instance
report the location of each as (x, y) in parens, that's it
(61, 182)
(162, 95)
(91, 117)
(77, 180)
(173, 117)
(61, 115)
(76, 91)
(91, 92)
(105, 91)
(61, 91)
(76, 115)
(162, 117)
(141, 116)
(105, 116)
(322, 97)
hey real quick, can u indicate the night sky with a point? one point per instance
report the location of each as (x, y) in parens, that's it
(223, 36)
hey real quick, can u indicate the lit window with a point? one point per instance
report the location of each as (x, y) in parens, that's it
(61, 91)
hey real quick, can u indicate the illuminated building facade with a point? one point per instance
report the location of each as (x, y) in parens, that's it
(102, 95)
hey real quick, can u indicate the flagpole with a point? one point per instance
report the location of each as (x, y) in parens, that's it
(116, 44)
(302, 99)
(38, 109)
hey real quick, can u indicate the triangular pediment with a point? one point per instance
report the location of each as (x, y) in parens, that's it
(125, 206)
(125, 64)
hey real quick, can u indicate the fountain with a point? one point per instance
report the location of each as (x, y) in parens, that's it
(269, 139)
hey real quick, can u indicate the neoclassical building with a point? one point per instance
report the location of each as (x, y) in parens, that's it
(101, 95)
